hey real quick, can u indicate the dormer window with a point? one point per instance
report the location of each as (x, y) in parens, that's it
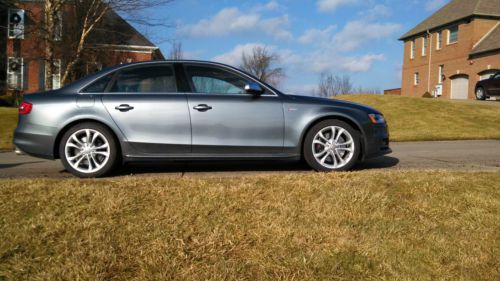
(453, 35)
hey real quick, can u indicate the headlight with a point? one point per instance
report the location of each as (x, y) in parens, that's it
(377, 119)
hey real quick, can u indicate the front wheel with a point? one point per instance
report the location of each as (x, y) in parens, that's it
(88, 150)
(480, 93)
(331, 145)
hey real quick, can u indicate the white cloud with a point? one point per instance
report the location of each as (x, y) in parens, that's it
(230, 21)
(272, 5)
(234, 56)
(332, 5)
(318, 36)
(356, 33)
(361, 64)
(432, 5)
(379, 11)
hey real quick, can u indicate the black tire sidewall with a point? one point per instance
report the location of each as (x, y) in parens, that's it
(307, 146)
(113, 150)
(484, 94)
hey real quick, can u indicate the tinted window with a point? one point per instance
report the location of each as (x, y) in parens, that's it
(497, 76)
(100, 85)
(151, 79)
(214, 80)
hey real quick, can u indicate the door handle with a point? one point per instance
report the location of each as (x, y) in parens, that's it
(124, 107)
(202, 107)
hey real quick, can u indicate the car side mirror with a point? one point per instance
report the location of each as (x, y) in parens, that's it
(253, 88)
(491, 77)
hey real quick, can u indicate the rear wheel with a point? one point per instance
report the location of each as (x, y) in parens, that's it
(480, 93)
(331, 145)
(88, 150)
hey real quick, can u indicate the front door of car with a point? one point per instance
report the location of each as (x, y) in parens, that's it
(495, 85)
(226, 120)
(145, 104)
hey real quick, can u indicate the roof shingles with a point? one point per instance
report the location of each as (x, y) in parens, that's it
(454, 11)
(490, 43)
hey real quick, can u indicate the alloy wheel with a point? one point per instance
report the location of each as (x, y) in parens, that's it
(333, 147)
(87, 151)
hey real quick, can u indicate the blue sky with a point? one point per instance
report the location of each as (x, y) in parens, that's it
(353, 37)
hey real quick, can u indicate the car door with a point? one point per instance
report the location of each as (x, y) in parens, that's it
(144, 103)
(225, 119)
(494, 85)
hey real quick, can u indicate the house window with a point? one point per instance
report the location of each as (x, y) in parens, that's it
(424, 45)
(416, 79)
(412, 49)
(439, 41)
(15, 73)
(16, 24)
(56, 76)
(453, 35)
(58, 26)
(441, 74)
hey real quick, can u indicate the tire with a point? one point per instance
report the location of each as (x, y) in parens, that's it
(77, 152)
(324, 155)
(480, 93)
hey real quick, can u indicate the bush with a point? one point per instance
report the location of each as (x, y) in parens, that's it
(427, 95)
(10, 100)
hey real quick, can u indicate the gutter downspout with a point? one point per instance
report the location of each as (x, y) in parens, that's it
(430, 62)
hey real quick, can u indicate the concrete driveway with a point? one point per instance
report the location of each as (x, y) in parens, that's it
(452, 155)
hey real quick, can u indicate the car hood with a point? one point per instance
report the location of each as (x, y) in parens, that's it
(332, 102)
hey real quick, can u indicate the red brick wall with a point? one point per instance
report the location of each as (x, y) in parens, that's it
(454, 57)
(32, 50)
(393, 92)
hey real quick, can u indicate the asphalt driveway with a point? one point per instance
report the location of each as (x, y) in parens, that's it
(453, 155)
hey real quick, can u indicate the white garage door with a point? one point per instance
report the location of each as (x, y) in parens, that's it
(460, 88)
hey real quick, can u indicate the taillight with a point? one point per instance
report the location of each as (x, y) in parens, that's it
(25, 108)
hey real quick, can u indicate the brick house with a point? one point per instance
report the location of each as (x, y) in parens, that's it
(23, 66)
(451, 50)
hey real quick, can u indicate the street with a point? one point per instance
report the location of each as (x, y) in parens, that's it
(453, 155)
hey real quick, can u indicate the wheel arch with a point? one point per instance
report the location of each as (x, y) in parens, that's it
(355, 125)
(76, 122)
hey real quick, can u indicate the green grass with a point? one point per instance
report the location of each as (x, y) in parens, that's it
(346, 226)
(8, 119)
(418, 119)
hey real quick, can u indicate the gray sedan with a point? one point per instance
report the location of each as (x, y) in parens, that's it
(192, 110)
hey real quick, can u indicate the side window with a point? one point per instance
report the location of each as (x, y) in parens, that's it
(150, 79)
(208, 80)
(100, 85)
(497, 76)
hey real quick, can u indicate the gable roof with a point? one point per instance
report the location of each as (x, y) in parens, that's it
(489, 43)
(454, 11)
(114, 30)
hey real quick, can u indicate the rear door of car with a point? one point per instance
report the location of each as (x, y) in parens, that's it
(146, 105)
(225, 119)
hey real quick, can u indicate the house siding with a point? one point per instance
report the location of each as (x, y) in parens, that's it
(31, 49)
(455, 58)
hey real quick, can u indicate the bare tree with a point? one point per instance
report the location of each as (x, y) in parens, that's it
(176, 52)
(334, 85)
(262, 64)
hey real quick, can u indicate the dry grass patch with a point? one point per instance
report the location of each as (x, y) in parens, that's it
(345, 226)
(8, 124)
(419, 119)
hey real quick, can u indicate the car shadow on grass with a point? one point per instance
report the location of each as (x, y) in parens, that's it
(222, 167)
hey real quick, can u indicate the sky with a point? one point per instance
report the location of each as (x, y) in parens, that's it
(358, 38)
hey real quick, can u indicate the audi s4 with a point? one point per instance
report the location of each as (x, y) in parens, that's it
(189, 111)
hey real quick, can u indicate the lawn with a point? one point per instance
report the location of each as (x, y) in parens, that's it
(419, 119)
(419, 225)
(8, 117)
